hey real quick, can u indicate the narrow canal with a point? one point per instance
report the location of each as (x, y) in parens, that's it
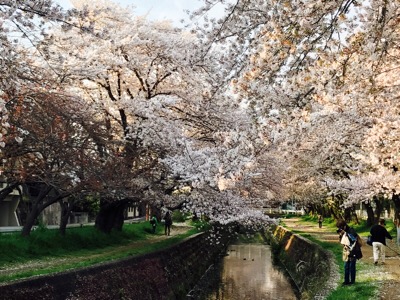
(248, 272)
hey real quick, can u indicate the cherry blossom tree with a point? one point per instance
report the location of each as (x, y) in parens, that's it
(54, 152)
(294, 94)
(162, 107)
(320, 77)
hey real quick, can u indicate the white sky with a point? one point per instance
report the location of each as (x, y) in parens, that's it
(156, 9)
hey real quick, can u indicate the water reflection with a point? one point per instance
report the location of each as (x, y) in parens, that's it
(248, 273)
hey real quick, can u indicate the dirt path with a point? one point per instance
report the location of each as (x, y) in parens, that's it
(73, 261)
(387, 276)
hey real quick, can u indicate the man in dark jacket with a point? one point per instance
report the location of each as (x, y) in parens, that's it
(168, 222)
(351, 250)
(379, 235)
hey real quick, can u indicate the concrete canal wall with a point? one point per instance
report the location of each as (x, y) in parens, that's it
(167, 274)
(310, 266)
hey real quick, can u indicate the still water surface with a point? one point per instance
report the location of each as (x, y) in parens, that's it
(248, 273)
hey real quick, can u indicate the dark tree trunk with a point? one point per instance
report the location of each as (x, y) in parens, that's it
(333, 213)
(66, 208)
(347, 214)
(396, 201)
(353, 211)
(111, 216)
(378, 209)
(37, 193)
(40, 201)
(370, 214)
(30, 220)
(311, 209)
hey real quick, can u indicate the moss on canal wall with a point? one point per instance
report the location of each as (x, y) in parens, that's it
(167, 274)
(309, 265)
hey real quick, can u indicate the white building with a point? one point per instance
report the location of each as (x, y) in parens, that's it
(8, 207)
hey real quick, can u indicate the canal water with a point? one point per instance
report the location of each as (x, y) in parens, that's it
(248, 272)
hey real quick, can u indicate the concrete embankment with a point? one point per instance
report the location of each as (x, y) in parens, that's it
(310, 266)
(166, 274)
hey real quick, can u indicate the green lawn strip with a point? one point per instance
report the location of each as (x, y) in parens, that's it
(366, 286)
(44, 242)
(362, 229)
(85, 259)
(64, 259)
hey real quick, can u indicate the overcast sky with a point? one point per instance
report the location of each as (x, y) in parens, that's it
(156, 9)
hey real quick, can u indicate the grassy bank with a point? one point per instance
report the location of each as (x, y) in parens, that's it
(362, 229)
(366, 286)
(46, 251)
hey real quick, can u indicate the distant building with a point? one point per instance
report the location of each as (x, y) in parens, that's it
(8, 207)
(51, 215)
(134, 210)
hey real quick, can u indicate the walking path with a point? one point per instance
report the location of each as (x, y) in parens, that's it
(387, 276)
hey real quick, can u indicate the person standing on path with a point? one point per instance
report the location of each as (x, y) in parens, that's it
(351, 250)
(379, 235)
(167, 222)
(153, 222)
(320, 220)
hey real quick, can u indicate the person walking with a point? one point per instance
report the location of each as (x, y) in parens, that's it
(320, 220)
(351, 250)
(167, 222)
(153, 222)
(379, 234)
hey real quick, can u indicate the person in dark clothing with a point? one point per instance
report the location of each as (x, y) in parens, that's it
(379, 235)
(351, 250)
(168, 222)
(320, 220)
(153, 222)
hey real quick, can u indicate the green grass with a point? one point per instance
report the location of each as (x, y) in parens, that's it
(80, 247)
(359, 291)
(254, 238)
(47, 242)
(366, 286)
(362, 229)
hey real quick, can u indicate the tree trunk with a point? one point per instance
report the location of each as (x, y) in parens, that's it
(66, 208)
(36, 193)
(333, 213)
(370, 214)
(378, 209)
(396, 201)
(333, 207)
(40, 202)
(347, 214)
(111, 216)
(354, 213)
(30, 220)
